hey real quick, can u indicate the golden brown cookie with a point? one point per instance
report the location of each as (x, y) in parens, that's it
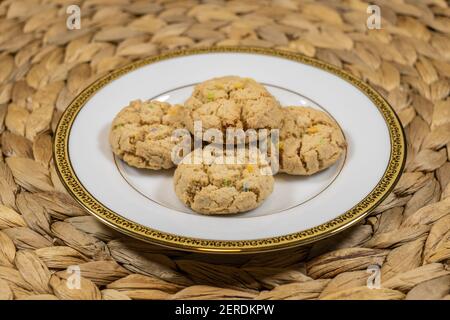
(232, 102)
(214, 185)
(141, 133)
(310, 141)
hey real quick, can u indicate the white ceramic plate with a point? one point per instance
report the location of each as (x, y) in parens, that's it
(143, 204)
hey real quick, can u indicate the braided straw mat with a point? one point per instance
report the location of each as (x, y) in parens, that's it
(43, 65)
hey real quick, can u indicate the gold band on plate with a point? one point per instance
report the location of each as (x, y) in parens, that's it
(114, 220)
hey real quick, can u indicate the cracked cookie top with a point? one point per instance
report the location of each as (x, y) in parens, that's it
(214, 184)
(233, 102)
(141, 133)
(310, 141)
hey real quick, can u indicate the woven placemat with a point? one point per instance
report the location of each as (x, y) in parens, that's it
(43, 65)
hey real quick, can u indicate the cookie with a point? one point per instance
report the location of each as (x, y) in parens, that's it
(232, 102)
(214, 184)
(141, 133)
(310, 141)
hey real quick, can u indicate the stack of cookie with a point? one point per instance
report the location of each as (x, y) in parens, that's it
(219, 176)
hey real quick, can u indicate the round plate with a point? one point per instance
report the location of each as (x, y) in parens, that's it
(142, 203)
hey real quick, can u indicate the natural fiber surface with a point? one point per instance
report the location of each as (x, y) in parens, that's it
(43, 66)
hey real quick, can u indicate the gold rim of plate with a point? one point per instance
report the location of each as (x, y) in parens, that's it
(116, 221)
